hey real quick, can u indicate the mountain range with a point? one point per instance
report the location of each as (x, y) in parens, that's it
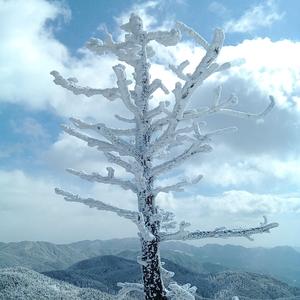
(104, 272)
(282, 263)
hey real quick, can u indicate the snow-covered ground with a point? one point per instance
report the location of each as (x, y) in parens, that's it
(24, 284)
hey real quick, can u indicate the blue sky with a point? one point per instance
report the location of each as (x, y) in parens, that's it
(250, 173)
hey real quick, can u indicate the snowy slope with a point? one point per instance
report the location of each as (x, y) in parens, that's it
(24, 284)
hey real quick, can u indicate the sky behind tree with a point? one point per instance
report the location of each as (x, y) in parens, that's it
(251, 173)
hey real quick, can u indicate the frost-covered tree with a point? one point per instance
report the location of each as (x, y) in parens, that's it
(154, 141)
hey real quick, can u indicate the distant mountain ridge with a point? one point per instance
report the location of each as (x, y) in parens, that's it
(282, 263)
(104, 272)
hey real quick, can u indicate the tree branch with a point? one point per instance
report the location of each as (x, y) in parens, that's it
(178, 187)
(109, 179)
(193, 34)
(123, 90)
(166, 38)
(178, 70)
(131, 167)
(70, 84)
(101, 145)
(223, 232)
(92, 203)
(127, 287)
(191, 151)
(157, 84)
(99, 128)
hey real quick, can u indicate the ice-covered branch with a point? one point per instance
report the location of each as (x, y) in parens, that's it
(161, 108)
(92, 142)
(70, 84)
(178, 187)
(193, 34)
(178, 70)
(126, 120)
(222, 232)
(131, 167)
(166, 38)
(157, 84)
(245, 115)
(100, 127)
(101, 145)
(92, 203)
(125, 51)
(206, 67)
(109, 134)
(109, 179)
(127, 287)
(191, 151)
(123, 90)
(207, 136)
(181, 292)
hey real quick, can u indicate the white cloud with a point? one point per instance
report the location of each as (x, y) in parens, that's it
(218, 8)
(239, 209)
(236, 203)
(30, 52)
(261, 15)
(255, 155)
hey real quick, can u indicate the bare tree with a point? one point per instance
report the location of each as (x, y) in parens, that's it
(155, 141)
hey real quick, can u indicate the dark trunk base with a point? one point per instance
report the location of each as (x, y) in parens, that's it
(153, 285)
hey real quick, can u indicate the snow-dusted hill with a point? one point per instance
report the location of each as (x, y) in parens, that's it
(24, 284)
(104, 272)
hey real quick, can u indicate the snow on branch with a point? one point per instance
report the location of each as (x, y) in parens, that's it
(191, 151)
(193, 34)
(92, 203)
(109, 179)
(126, 120)
(178, 187)
(166, 275)
(166, 38)
(123, 90)
(101, 145)
(178, 70)
(109, 134)
(206, 67)
(181, 292)
(207, 136)
(127, 51)
(100, 127)
(128, 287)
(71, 85)
(157, 84)
(245, 115)
(131, 167)
(222, 232)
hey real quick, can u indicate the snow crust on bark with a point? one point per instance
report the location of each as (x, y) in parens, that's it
(170, 134)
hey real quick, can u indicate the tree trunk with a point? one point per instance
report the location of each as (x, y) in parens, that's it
(153, 285)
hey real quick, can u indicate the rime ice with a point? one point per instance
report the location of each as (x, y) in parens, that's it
(171, 131)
